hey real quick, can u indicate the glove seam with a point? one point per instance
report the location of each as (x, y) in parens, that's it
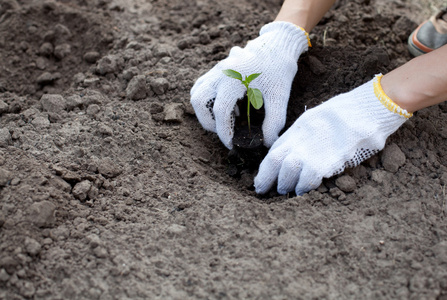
(386, 101)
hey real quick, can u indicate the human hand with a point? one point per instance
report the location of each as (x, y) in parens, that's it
(323, 141)
(274, 54)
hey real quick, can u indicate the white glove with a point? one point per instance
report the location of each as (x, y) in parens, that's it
(274, 54)
(340, 133)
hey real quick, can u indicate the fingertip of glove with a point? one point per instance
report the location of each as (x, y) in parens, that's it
(300, 192)
(259, 189)
(268, 141)
(272, 128)
(227, 143)
(256, 183)
(283, 190)
(262, 184)
(304, 187)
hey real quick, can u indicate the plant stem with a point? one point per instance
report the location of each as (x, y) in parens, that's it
(244, 82)
(248, 117)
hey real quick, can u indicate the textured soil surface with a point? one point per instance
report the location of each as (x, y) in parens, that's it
(110, 188)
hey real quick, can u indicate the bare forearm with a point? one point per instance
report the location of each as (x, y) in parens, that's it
(420, 83)
(304, 13)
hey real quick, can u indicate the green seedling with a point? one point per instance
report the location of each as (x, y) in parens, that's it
(254, 95)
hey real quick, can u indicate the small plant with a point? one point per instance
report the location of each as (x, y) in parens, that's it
(254, 95)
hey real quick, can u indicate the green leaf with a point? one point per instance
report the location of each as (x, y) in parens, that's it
(233, 74)
(252, 77)
(255, 98)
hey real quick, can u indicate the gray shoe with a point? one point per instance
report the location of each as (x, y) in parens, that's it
(430, 35)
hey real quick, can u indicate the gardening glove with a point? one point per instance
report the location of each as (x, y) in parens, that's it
(340, 133)
(274, 54)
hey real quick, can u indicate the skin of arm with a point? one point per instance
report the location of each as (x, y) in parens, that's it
(304, 13)
(420, 83)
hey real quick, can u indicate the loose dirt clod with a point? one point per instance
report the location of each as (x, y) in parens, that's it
(392, 158)
(42, 213)
(5, 137)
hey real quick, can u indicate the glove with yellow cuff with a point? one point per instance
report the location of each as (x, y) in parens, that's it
(274, 54)
(323, 141)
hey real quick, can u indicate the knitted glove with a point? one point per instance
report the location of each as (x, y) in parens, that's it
(274, 54)
(340, 133)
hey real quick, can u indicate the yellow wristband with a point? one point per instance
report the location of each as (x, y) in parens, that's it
(307, 35)
(386, 101)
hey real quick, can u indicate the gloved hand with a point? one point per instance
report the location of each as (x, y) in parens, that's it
(323, 141)
(274, 54)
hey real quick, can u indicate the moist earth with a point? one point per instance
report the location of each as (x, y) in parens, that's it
(111, 189)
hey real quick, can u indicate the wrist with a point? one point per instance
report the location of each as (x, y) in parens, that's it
(393, 106)
(413, 93)
(305, 14)
(299, 17)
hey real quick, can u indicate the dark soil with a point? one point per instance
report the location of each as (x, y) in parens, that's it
(248, 141)
(110, 188)
(248, 151)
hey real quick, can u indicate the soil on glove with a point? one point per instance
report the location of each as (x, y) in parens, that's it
(111, 189)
